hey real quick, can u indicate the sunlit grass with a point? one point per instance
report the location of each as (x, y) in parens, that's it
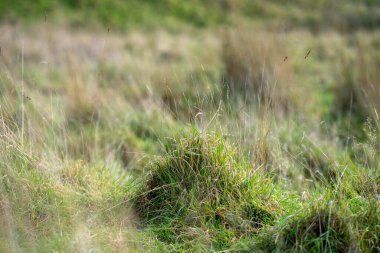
(189, 140)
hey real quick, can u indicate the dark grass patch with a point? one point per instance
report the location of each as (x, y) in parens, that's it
(321, 231)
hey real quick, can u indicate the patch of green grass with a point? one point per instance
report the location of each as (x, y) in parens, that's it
(319, 231)
(131, 145)
(199, 184)
(45, 207)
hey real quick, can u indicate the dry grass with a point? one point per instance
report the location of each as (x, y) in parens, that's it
(358, 88)
(102, 112)
(257, 68)
(368, 64)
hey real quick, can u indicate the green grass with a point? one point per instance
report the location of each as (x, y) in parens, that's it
(198, 184)
(122, 15)
(189, 140)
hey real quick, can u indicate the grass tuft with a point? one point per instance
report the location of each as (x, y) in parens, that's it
(199, 183)
(322, 230)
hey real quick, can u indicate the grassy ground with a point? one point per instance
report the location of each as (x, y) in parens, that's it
(226, 126)
(174, 14)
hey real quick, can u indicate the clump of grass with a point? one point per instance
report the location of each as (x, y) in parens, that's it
(320, 230)
(198, 183)
(358, 87)
(255, 69)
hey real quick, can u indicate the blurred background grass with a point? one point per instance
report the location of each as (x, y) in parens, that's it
(121, 15)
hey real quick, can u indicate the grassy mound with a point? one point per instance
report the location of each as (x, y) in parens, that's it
(199, 184)
(320, 231)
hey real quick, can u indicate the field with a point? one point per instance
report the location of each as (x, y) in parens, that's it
(189, 126)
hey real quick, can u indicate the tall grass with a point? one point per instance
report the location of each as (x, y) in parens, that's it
(358, 90)
(257, 71)
(188, 141)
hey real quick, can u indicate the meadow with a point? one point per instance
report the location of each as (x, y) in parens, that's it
(189, 126)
